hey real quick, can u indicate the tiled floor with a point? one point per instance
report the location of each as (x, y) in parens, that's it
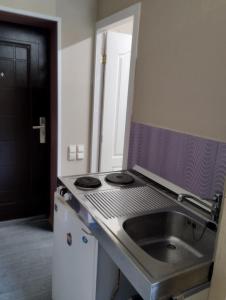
(25, 260)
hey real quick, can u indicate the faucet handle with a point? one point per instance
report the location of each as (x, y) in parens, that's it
(216, 208)
(218, 197)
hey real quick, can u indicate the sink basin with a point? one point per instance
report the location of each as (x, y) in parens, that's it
(163, 248)
(170, 237)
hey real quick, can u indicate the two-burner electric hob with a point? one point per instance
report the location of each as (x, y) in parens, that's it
(120, 179)
(97, 182)
(107, 196)
(76, 189)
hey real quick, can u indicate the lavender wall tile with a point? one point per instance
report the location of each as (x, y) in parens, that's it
(134, 136)
(220, 169)
(199, 164)
(153, 152)
(196, 164)
(172, 164)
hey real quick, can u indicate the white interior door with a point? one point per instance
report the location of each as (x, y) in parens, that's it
(115, 96)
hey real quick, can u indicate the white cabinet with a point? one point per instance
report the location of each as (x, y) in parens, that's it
(74, 256)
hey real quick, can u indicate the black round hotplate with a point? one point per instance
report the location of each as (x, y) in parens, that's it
(87, 182)
(119, 178)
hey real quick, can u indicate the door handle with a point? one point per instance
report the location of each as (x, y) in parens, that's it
(42, 129)
(38, 127)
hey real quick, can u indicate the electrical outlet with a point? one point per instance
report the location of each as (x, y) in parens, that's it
(80, 156)
(80, 148)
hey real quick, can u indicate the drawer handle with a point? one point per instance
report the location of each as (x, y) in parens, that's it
(69, 239)
(85, 240)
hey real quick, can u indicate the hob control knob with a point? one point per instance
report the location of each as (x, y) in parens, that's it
(67, 196)
(62, 190)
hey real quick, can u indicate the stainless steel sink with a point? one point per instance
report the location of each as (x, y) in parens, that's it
(170, 237)
(172, 246)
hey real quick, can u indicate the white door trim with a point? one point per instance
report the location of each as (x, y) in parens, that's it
(101, 26)
(59, 87)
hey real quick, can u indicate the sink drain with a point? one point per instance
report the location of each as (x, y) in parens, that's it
(171, 247)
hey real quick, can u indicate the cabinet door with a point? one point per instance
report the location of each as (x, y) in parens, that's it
(75, 257)
(60, 228)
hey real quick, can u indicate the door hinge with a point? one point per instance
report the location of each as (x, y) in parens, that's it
(104, 59)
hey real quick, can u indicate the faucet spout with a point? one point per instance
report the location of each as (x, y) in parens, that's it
(182, 197)
(212, 206)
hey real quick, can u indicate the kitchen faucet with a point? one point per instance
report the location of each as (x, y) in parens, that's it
(213, 207)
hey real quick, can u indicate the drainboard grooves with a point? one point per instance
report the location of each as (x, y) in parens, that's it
(126, 202)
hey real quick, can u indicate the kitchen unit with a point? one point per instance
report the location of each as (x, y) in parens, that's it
(81, 267)
(163, 248)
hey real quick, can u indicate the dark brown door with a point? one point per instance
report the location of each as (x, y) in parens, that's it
(24, 98)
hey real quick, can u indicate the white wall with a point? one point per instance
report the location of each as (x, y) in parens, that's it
(40, 6)
(78, 22)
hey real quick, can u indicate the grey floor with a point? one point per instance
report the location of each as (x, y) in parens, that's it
(25, 260)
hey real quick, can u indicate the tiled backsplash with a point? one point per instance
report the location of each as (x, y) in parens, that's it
(195, 164)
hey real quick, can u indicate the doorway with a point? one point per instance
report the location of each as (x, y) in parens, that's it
(116, 50)
(28, 100)
(117, 43)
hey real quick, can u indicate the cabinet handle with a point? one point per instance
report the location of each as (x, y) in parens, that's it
(56, 207)
(69, 239)
(85, 240)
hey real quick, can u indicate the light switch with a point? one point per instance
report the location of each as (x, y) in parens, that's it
(71, 152)
(80, 156)
(80, 148)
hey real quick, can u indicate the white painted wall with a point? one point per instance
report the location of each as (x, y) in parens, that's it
(78, 23)
(40, 6)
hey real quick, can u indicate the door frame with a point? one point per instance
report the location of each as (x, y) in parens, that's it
(53, 24)
(101, 26)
